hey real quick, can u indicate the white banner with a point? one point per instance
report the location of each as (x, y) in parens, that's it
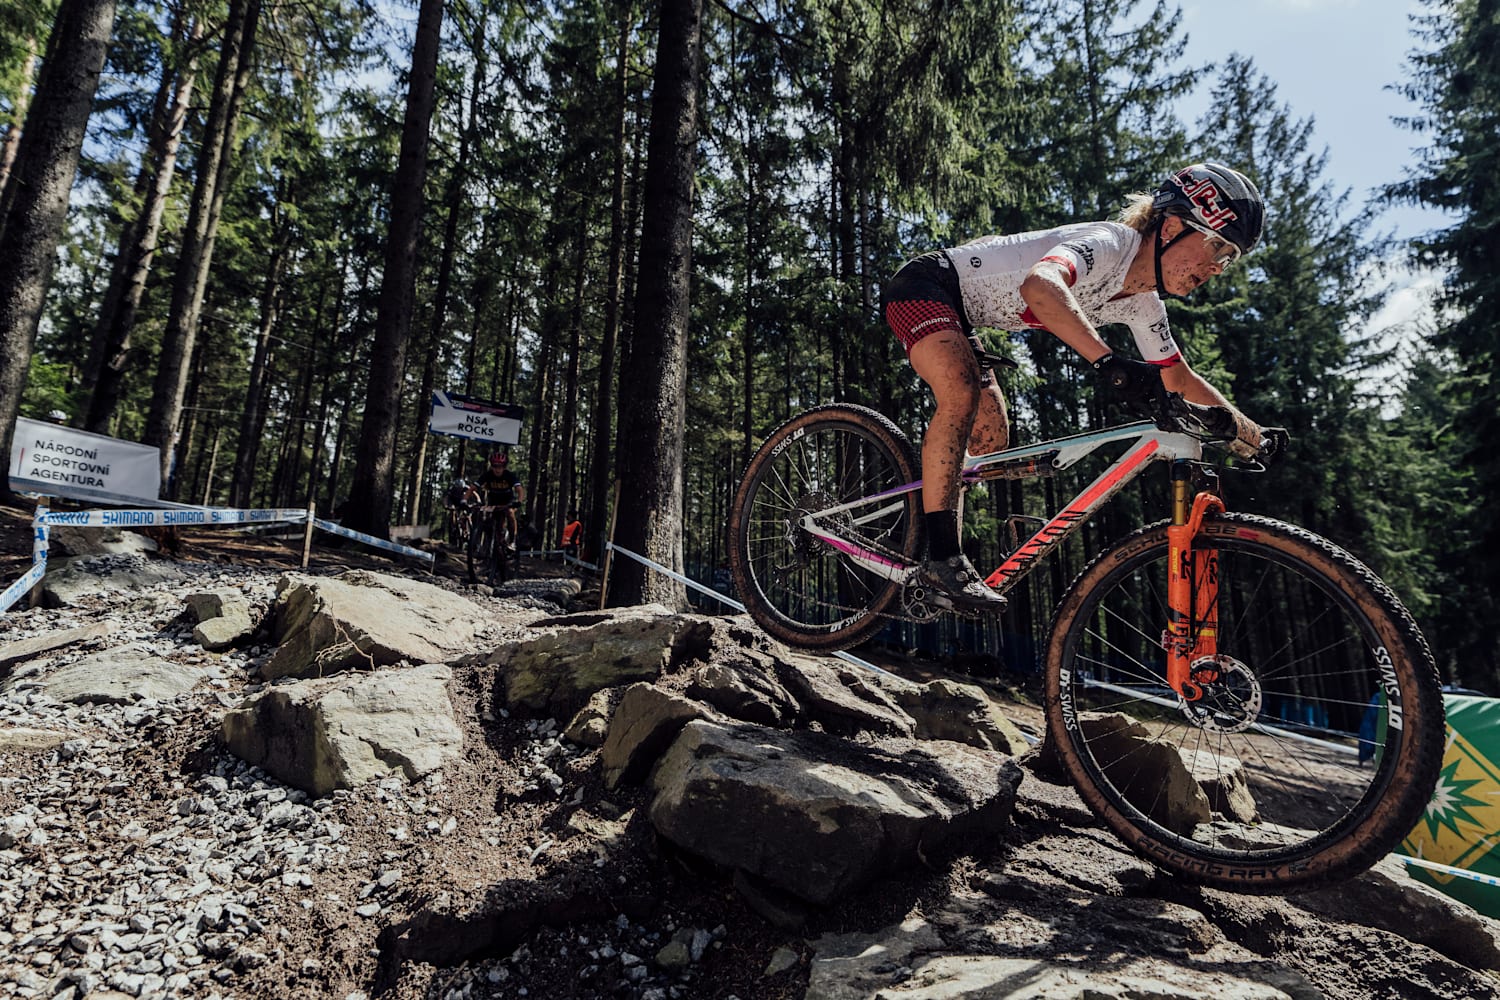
(59, 461)
(466, 417)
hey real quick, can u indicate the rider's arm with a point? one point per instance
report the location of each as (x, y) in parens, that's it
(1181, 378)
(1192, 386)
(1050, 300)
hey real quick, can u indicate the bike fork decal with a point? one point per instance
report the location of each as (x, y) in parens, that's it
(1068, 520)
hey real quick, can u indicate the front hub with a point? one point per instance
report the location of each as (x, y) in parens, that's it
(1228, 695)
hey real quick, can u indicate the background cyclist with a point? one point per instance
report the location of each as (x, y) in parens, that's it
(454, 501)
(1067, 281)
(499, 487)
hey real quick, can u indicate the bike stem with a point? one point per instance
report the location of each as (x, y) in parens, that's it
(1192, 631)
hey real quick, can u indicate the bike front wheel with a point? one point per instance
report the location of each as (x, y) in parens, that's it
(802, 589)
(1319, 735)
(480, 550)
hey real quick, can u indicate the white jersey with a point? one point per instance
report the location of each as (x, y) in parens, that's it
(1096, 254)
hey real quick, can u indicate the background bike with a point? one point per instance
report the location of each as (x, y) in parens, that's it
(1239, 700)
(460, 524)
(489, 547)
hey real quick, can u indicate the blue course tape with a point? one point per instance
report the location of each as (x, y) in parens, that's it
(379, 543)
(1448, 870)
(17, 590)
(156, 517)
(146, 518)
(841, 654)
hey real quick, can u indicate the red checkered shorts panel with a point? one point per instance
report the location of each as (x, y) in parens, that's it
(913, 319)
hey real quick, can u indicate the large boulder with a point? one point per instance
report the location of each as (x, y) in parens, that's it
(21, 650)
(643, 726)
(746, 690)
(119, 675)
(1225, 783)
(556, 673)
(364, 620)
(947, 710)
(912, 961)
(1388, 898)
(843, 698)
(340, 732)
(69, 581)
(1151, 774)
(223, 617)
(72, 540)
(816, 816)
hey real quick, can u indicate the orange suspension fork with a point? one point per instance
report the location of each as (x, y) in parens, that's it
(1192, 589)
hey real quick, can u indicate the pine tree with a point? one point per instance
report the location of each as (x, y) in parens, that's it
(36, 199)
(1457, 84)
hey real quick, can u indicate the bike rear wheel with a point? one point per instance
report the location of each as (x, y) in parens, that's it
(1314, 751)
(797, 587)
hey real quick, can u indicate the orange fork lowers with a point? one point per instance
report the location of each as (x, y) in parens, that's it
(1192, 631)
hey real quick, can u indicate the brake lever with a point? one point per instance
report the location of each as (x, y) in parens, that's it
(1172, 412)
(1273, 443)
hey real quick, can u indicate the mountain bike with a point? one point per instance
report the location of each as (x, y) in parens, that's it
(1209, 681)
(460, 525)
(489, 546)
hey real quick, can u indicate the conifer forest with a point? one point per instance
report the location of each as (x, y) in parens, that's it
(259, 234)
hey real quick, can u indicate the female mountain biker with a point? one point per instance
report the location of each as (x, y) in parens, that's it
(1067, 281)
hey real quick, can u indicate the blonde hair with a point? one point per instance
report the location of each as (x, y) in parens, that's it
(1139, 213)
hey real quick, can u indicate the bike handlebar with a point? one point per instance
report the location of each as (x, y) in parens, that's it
(1215, 424)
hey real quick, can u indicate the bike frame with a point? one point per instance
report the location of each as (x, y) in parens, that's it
(1190, 635)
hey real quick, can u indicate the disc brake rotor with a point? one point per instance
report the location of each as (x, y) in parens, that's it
(1231, 700)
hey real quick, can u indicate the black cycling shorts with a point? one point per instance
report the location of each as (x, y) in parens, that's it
(923, 298)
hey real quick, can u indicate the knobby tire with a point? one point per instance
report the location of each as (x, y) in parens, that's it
(795, 586)
(1306, 623)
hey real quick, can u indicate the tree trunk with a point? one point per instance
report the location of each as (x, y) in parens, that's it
(567, 457)
(604, 399)
(109, 350)
(376, 448)
(196, 255)
(43, 177)
(653, 420)
(453, 204)
(541, 402)
(252, 416)
(12, 141)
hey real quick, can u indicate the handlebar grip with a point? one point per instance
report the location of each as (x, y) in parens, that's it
(1216, 420)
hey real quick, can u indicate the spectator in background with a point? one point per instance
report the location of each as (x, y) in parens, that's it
(572, 536)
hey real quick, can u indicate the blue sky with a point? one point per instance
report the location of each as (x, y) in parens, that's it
(1333, 61)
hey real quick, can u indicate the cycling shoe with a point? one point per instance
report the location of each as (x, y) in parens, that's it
(958, 580)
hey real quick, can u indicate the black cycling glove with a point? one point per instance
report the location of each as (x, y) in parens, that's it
(1130, 380)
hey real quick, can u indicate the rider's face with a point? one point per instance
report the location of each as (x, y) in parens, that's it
(1190, 262)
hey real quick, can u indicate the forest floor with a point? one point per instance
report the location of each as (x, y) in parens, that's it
(324, 953)
(578, 924)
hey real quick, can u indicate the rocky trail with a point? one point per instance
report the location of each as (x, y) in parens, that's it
(221, 776)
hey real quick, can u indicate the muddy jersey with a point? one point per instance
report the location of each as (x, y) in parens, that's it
(1096, 256)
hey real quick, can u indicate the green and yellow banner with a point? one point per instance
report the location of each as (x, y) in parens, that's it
(1461, 827)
